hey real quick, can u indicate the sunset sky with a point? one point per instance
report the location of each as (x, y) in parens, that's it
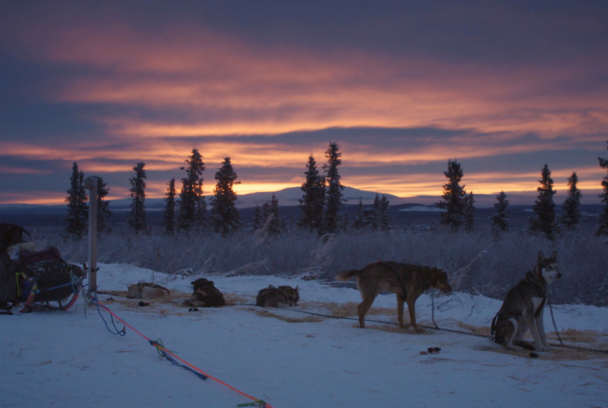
(401, 86)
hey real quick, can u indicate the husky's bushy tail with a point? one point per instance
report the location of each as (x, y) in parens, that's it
(346, 275)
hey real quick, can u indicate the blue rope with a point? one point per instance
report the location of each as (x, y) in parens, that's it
(74, 282)
(56, 287)
(116, 331)
(160, 347)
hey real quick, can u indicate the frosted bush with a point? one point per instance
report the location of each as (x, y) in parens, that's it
(476, 262)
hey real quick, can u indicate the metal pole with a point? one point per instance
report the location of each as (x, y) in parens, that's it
(91, 185)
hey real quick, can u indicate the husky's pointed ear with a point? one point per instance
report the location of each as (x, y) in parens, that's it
(298, 289)
(541, 256)
(554, 256)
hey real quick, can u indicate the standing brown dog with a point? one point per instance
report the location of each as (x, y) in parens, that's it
(407, 281)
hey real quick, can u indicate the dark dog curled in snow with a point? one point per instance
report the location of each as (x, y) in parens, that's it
(273, 297)
(205, 295)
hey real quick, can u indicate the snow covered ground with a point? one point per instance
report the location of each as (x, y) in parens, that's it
(287, 358)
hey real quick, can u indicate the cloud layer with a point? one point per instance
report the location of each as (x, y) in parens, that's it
(402, 87)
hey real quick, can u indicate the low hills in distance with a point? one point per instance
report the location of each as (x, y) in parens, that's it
(419, 209)
(290, 197)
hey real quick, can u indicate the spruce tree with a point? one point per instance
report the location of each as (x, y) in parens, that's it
(469, 212)
(192, 206)
(378, 216)
(257, 218)
(544, 207)
(370, 218)
(224, 215)
(602, 228)
(271, 218)
(78, 211)
(278, 223)
(334, 200)
(103, 208)
(137, 217)
(358, 219)
(500, 221)
(453, 197)
(373, 215)
(313, 199)
(344, 221)
(572, 205)
(384, 217)
(169, 213)
(266, 213)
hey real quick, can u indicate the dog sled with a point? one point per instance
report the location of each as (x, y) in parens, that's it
(31, 276)
(48, 279)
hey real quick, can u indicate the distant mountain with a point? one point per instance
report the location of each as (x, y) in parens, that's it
(419, 211)
(291, 196)
(287, 197)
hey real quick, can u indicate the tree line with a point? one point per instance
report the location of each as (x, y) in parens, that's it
(187, 211)
(459, 206)
(321, 203)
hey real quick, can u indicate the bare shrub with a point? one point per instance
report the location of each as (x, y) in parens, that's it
(477, 262)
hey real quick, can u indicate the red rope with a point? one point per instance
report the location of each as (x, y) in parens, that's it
(182, 360)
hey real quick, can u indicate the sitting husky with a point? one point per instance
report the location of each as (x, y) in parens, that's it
(273, 297)
(146, 290)
(205, 295)
(522, 309)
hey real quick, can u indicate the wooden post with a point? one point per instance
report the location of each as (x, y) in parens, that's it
(91, 184)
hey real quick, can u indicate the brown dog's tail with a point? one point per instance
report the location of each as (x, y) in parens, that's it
(346, 275)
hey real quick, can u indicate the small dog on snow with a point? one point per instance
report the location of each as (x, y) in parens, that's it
(205, 294)
(146, 290)
(523, 308)
(273, 297)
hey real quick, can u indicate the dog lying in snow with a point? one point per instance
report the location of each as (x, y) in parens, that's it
(147, 290)
(273, 297)
(205, 295)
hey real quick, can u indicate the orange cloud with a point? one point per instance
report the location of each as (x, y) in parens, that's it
(192, 82)
(37, 197)
(270, 90)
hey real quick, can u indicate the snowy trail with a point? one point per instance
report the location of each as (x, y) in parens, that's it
(68, 360)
